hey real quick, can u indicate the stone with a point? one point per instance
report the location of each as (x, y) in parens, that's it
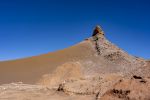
(98, 31)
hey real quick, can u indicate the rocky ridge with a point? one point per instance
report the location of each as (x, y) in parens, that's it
(102, 72)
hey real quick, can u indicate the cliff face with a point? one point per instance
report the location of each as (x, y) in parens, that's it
(95, 66)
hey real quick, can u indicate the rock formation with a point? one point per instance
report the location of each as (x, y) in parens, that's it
(94, 69)
(98, 31)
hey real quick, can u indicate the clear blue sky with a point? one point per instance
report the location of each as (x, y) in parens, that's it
(33, 27)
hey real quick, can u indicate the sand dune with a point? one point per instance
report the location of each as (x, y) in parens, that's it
(29, 70)
(93, 69)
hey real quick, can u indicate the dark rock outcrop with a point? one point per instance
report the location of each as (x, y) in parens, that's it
(98, 30)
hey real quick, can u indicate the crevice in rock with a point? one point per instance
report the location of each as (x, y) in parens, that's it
(137, 77)
(97, 96)
(61, 87)
(97, 47)
(123, 94)
(97, 33)
(143, 81)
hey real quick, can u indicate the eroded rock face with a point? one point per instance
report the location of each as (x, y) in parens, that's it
(94, 69)
(98, 75)
(129, 89)
(97, 31)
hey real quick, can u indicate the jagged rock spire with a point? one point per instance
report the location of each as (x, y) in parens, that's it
(98, 31)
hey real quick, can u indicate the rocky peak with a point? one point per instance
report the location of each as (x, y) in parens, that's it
(98, 31)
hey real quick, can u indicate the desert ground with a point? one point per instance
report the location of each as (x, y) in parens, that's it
(94, 69)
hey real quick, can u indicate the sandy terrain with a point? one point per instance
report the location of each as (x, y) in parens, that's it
(94, 69)
(17, 91)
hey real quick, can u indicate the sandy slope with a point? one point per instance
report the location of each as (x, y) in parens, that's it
(93, 69)
(29, 70)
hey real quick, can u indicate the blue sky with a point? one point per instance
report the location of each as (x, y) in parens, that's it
(34, 27)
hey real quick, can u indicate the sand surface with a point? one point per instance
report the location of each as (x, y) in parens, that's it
(94, 69)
